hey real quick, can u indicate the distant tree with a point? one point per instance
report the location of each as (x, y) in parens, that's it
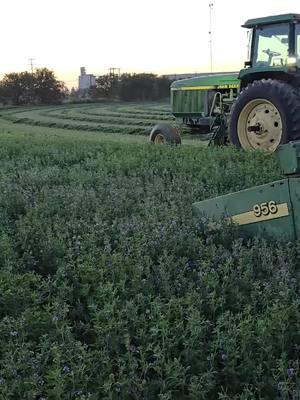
(3, 99)
(47, 89)
(18, 87)
(40, 87)
(163, 87)
(73, 94)
(130, 87)
(106, 87)
(94, 93)
(3, 95)
(139, 87)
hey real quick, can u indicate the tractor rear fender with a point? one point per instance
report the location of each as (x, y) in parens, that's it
(282, 76)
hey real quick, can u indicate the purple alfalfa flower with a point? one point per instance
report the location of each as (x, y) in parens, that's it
(66, 369)
(290, 372)
(133, 349)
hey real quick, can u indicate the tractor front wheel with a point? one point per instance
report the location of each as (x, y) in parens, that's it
(265, 115)
(164, 134)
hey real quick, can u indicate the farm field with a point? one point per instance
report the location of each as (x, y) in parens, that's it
(102, 118)
(111, 289)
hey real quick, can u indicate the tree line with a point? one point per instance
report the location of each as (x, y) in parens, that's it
(42, 87)
(131, 87)
(39, 87)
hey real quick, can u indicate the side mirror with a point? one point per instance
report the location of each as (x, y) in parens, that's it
(248, 64)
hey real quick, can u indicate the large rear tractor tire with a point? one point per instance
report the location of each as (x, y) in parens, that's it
(265, 115)
(164, 134)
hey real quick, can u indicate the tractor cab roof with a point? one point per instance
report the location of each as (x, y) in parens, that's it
(273, 19)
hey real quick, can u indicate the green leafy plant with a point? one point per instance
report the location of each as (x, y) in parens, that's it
(111, 289)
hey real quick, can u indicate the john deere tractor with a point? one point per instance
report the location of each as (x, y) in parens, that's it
(257, 108)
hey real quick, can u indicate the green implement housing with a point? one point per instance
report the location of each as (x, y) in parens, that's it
(196, 102)
(255, 108)
(271, 210)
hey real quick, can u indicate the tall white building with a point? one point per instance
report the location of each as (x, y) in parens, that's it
(85, 81)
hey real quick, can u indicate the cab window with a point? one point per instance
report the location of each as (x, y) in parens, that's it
(298, 44)
(271, 45)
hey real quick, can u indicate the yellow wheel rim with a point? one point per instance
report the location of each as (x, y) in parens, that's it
(260, 126)
(159, 139)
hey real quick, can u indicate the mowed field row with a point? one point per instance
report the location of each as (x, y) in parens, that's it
(118, 118)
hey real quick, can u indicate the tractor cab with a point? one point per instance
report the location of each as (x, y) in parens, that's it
(274, 46)
(266, 112)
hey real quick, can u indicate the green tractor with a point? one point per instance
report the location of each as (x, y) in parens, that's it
(257, 108)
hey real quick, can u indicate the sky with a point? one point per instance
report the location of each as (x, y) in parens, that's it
(160, 36)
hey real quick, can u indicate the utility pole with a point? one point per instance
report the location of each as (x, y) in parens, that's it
(211, 6)
(112, 71)
(31, 60)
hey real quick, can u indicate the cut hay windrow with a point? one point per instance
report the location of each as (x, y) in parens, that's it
(82, 127)
(112, 118)
(101, 119)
